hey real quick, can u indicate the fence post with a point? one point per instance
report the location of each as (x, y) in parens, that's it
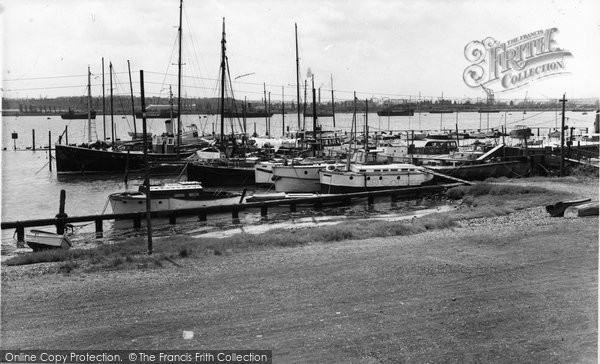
(99, 233)
(20, 236)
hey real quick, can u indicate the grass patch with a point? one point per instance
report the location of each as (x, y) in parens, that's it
(486, 188)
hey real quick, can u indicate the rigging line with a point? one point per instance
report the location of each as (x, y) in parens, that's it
(162, 85)
(194, 47)
(233, 97)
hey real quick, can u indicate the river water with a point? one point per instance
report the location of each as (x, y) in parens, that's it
(31, 191)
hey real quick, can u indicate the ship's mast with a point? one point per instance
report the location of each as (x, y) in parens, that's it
(132, 101)
(223, 42)
(89, 106)
(297, 77)
(179, 81)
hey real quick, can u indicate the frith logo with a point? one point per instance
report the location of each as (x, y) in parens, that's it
(515, 63)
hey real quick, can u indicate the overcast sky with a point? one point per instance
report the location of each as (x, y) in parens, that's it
(377, 48)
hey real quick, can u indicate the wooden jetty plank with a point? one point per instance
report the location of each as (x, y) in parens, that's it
(586, 209)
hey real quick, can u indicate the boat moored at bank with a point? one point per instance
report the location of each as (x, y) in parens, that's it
(172, 196)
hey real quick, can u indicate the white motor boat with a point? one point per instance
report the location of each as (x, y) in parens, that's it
(172, 196)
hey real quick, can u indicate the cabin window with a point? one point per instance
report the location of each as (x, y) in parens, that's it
(140, 202)
(179, 195)
(377, 170)
(404, 169)
(368, 178)
(412, 169)
(362, 170)
(394, 169)
(380, 178)
(194, 194)
(398, 177)
(351, 177)
(305, 172)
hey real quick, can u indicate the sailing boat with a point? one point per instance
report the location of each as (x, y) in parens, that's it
(230, 170)
(167, 155)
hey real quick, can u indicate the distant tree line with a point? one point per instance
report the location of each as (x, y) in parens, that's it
(122, 105)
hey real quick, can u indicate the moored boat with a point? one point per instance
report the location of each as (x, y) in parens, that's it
(370, 177)
(300, 177)
(43, 240)
(396, 112)
(520, 132)
(74, 114)
(172, 196)
(230, 172)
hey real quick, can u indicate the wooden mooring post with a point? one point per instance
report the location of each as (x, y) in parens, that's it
(60, 226)
(33, 139)
(50, 150)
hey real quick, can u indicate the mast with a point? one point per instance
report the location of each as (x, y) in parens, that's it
(266, 110)
(352, 133)
(304, 114)
(179, 80)
(366, 125)
(297, 76)
(89, 106)
(112, 123)
(132, 102)
(332, 102)
(282, 112)
(146, 168)
(103, 104)
(314, 107)
(223, 84)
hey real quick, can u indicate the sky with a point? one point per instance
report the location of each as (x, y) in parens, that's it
(381, 49)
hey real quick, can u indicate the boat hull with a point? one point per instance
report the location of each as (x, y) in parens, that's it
(299, 178)
(123, 203)
(216, 175)
(263, 173)
(43, 240)
(481, 172)
(71, 159)
(347, 182)
(396, 113)
(78, 115)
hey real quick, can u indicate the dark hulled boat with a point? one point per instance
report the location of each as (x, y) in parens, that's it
(396, 112)
(483, 171)
(248, 114)
(158, 111)
(74, 114)
(227, 173)
(84, 160)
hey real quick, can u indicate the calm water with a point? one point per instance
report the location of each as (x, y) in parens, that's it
(30, 190)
